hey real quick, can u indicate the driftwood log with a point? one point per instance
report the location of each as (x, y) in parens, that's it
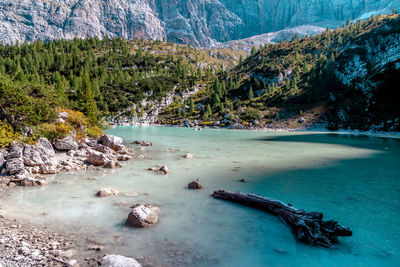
(308, 227)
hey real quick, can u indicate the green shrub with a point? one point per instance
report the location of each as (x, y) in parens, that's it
(7, 134)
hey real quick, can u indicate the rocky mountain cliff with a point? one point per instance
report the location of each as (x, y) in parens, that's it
(198, 22)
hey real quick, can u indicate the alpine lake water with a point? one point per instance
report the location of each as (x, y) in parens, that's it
(352, 179)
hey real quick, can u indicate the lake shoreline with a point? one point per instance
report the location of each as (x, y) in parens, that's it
(315, 129)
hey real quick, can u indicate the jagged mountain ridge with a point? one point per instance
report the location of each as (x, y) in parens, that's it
(198, 22)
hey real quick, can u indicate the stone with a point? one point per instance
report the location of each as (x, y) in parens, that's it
(143, 216)
(2, 160)
(44, 146)
(112, 164)
(163, 170)
(187, 156)
(97, 158)
(123, 158)
(14, 165)
(142, 143)
(66, 144)
(118, 261)
(195, 185)
(106, 192)
(111, 141)
(301, 120)
(32, 156)
(33, 182)
(63, 115)
(103, 149)
(15, 151)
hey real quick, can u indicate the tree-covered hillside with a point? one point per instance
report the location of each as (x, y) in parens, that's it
(97, 77)
(348, 76)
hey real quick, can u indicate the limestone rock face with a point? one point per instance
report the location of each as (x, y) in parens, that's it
(198, 22)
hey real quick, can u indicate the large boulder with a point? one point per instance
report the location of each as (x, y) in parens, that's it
(111, 141)
(44, 147)
(14, 165)
(32, 156)
(66, 144)
(118, 261)
(97, 158)
(15, 151)
(143, 216)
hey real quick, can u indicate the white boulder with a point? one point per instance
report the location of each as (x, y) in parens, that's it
(119, 261)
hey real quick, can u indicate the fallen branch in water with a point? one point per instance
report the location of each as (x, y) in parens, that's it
(308, 227)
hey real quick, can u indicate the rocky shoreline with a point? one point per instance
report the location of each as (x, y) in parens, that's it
(29, 165)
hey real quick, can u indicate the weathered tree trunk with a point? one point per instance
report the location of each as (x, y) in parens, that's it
(308, 227)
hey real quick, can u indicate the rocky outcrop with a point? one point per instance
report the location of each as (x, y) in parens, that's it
(25, 163)
(143, 215)
(118, 261)
(198, 22)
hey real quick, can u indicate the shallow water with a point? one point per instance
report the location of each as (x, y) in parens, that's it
(354, 180)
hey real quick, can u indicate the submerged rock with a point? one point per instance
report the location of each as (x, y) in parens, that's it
(124, 157)
(142, 143)
(143, 216)
(187, 156)
(112, 164)
(106, 192)
(33, 182)
(119, 261)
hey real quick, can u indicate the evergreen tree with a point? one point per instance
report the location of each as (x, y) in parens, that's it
(191, 106)
(251, 95)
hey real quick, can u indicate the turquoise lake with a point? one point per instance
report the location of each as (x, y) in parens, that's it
(352, 179)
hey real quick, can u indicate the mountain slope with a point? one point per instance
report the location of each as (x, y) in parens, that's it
(197, 22)
(347, 77)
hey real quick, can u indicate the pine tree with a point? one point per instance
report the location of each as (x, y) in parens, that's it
(87, 99)
(191, 106)
(251, 95)
(253, 51)
(208, 110)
